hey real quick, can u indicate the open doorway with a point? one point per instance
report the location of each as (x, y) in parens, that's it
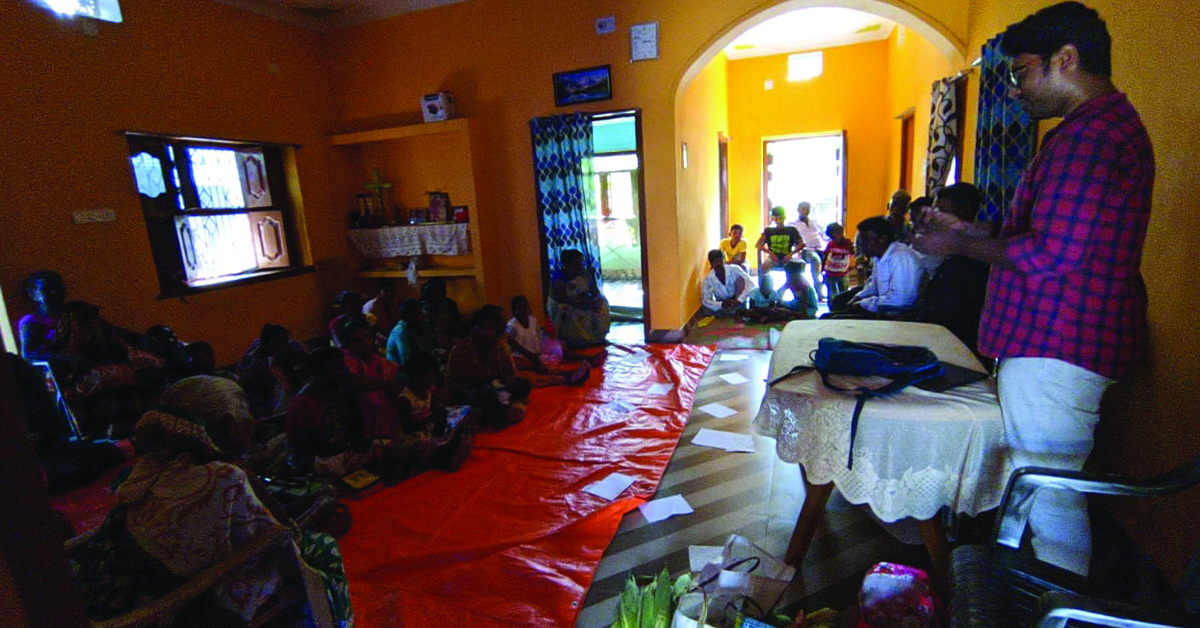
(617, 185)
(809, 168)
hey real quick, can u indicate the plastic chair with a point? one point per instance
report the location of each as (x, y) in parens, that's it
(998, 584)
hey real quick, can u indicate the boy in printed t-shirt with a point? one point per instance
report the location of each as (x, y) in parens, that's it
(836, 260)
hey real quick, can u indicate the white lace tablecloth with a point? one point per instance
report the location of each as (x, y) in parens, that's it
(915, 451)
(445, 239)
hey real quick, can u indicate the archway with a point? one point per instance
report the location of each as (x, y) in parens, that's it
(696, 132)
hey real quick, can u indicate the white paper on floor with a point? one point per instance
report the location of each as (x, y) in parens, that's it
(660, 509)
(717, 410)
(661, 389)
(701, 555)
(729, 441)
(733, 357)
(610, 487)
(734, 378)
(622, 406)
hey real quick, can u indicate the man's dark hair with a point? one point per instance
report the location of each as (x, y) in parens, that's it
(570, 255)
(965, 198)
(409, 309)
(516, 300)
(714, 255)
(880, 226)
(350, 324)
(921, 201)
(1047, 31)
(483, 315)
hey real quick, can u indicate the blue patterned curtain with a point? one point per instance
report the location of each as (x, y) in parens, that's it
(943, 134)
(1005, 136)
(562, 170)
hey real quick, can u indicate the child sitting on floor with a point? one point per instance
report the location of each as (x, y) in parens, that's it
(536, 350)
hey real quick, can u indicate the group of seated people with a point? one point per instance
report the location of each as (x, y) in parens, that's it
(896, 281)
(399, 388)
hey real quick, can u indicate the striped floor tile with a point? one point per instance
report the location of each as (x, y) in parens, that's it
(755, 495)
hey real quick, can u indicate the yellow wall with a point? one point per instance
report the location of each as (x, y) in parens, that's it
(704, 112)
(912, 67)
(1149, 424)
(844, 98)
(196, 68)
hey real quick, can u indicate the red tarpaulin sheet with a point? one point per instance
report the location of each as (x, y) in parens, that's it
(511, 539)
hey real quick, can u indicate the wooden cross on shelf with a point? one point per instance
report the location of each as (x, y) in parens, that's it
(377, 185)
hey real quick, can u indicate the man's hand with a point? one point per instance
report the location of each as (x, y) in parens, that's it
(938, 242)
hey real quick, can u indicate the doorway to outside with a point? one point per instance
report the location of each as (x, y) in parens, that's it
(806, 168)
(617, 193)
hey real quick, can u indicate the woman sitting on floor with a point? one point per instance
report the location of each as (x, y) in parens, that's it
(182, 510)
(577, 308)
(272, 370)
(442, 316)
(325, 430)
(481, 373)
(409, 337)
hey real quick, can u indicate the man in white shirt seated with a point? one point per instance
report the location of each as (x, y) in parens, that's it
(814, 238)
(726, 287)
(895, 280)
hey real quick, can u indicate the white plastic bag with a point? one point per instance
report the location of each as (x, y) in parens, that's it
(687, 613)
(745, 571)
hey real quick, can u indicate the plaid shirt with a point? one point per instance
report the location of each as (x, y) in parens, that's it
(1074, 233)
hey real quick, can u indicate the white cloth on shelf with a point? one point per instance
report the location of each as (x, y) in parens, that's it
(448, 239)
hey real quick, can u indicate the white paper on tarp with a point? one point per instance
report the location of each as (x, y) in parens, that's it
(660, 389)
(737, 575)
(733, 357)
(621, 406)
(734, 378)
(610, 487)
(701, 555)
(660, 509)
(717, 410)
(729, 441)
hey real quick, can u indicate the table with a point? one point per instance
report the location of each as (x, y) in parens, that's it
(438, 239)
(915, 451)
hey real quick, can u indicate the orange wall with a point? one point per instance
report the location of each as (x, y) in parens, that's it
(913, 65)
(844, 98)
(171, 67)
(1149, 422)
(497, 56)
(704, 112)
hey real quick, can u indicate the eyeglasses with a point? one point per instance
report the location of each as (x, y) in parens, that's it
(1016, 72)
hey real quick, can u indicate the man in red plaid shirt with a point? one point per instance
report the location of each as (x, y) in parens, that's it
(1066, 304)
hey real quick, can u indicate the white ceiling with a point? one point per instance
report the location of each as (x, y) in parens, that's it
(330, 14)
(809, 29)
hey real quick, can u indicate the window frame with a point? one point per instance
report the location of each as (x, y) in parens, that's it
(160, 213)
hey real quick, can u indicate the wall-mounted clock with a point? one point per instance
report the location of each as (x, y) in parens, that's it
(643, 41)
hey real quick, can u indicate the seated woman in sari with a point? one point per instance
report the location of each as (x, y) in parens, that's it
(272, 370)
(325, 429)
(577, 308)
(182, 510)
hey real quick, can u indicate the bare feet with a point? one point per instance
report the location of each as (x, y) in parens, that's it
(580, 375)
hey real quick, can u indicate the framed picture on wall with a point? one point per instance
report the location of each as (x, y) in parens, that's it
(418, 216)
(580, 86)
(439, 206)
(460, 213)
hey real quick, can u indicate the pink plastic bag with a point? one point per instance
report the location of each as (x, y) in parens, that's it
(898, 596)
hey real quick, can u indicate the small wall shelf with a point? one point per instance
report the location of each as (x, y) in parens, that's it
(418, 158)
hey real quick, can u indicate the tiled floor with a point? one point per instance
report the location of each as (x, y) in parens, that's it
(754, 495)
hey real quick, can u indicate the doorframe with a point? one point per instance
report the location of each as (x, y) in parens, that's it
(723, 180)
(636, 113)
